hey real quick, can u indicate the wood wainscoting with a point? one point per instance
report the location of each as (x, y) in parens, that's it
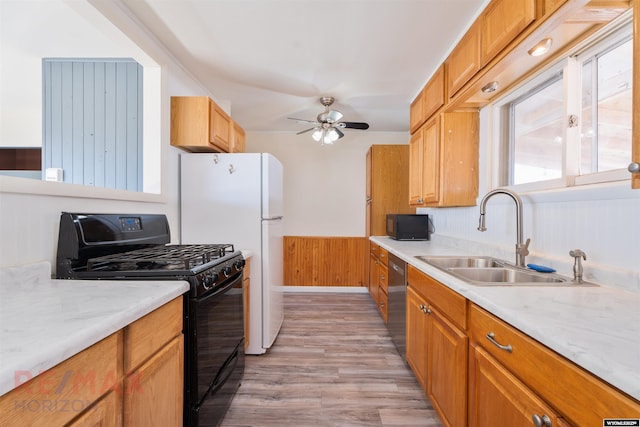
(325, 261)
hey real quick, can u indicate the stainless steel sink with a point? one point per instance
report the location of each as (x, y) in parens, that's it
(457, 262)
(504, 275)
(488, 271)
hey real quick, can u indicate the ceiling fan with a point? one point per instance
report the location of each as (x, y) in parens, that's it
(326, 128)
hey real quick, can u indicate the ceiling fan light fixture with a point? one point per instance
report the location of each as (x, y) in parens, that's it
(541, 47)
(317, 135)
(331, 136)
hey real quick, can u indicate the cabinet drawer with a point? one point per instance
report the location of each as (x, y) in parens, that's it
(147, 335)
(374, 249)
(579, 396)
(383, 256)
(451, 304)
(383, 275)
(383, 304)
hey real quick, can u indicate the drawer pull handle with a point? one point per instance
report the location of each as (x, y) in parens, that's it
(541, 420)
(491, 337)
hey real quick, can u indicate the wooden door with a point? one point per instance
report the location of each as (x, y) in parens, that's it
(431, 162)
(464, 61)
(374, 280)
(107, 412)
(447, 370)
(220, 128)
(153, 394)
(497, 398)
(502, 22)
(416, 156)
(417, 330)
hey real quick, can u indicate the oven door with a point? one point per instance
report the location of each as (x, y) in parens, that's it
(215, 352)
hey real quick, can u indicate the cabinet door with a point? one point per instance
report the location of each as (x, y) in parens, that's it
(502, 22)
(374, 280)
(416, 157)
(431, 162)
(497, 398)
(153, 393)
(246, 301)
(417, 322)
(464, 61)
(220, 128)
(416, 113)
(107, 412)
(433, 94)
(238, 144)
(447, 370)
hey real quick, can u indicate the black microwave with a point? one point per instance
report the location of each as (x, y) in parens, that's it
(408, 227)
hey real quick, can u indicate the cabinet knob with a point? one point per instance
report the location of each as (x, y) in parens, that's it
(541, 420)
(634, 167)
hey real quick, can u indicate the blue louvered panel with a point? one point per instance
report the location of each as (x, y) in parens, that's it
(92, 121)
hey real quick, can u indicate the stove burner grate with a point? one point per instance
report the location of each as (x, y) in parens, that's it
(171, 257)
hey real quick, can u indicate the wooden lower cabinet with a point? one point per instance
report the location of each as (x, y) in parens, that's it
(154, 392)
(246, 301)
(447, 369)
(106, 412)
(133, 377)
(437, 348)
(498, 398)
(378, 276)
(417, 336)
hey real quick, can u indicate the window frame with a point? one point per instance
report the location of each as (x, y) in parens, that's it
(569, 67)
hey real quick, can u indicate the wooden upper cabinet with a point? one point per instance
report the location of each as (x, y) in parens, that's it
(416, 116)
(199, 125)
(416, 150)
(431, 161)
(502, 21)
(238, 144)
(464, 61)
(430, 99)
(220, 128)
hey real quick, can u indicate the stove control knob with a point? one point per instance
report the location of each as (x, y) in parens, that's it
(207, 281)
(226, 271)
(214, 277)
(239, 264)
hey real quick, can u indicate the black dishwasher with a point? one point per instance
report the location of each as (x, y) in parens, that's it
(398, 303)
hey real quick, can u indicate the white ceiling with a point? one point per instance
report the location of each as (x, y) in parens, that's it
(273, 59)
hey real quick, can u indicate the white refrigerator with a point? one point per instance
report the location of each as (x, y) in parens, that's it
(237, 199)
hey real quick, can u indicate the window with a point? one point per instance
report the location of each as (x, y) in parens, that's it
(572, 122)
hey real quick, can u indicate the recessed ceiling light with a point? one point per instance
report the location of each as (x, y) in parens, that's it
(490, 87)
(541, 47)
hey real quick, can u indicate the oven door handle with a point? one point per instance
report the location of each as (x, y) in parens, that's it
(225, 372)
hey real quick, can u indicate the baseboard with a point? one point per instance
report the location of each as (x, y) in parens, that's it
(326, 289)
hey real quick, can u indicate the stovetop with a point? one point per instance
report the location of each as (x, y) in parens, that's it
(172, 258)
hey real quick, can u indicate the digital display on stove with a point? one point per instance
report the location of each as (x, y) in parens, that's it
(130, 224)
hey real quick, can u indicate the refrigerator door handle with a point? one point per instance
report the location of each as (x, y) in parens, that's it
(275, 218)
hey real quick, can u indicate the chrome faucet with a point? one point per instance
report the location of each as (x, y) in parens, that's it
(522, 249)
(578, 256)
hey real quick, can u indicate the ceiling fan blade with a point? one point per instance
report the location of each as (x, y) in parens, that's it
(339, 132)
(305, 131)
(302, 120)
(354, 125)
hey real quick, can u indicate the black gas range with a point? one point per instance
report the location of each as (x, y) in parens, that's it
(135, 247)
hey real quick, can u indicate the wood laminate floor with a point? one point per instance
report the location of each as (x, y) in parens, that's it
(333, 364)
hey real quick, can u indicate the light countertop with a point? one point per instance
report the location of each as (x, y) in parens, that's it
(45, 321)
(597, 328)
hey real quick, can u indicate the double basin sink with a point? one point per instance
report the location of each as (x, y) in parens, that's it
(488, 271)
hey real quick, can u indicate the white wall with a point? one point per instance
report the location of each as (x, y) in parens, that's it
(324, 186)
